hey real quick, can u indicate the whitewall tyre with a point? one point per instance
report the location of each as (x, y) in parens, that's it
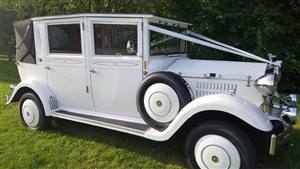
(160, 97)
(32, 112)
(217, 144)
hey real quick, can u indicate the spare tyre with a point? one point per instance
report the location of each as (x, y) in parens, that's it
(160, 97)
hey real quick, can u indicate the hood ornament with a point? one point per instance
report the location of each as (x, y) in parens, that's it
(271, 57)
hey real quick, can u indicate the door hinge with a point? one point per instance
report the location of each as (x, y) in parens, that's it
(248, 81)
(87, 89)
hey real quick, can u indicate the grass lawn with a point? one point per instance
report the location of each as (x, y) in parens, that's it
(75, 145)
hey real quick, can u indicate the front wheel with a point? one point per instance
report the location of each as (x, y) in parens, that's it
(32, 112)
(217, 144)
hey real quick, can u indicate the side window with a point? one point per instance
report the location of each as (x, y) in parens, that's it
(64, 38)
(112, 39)
(161, 44)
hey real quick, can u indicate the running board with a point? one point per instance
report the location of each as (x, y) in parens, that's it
(123, 126)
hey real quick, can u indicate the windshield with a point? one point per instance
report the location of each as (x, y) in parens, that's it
(161, 44)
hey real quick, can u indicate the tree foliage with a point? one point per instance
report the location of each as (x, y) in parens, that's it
(7, 38)
(258, 26)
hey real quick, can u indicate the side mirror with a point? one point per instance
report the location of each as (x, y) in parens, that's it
(130, 47)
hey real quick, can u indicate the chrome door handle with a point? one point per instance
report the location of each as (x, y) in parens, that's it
(47, 67)
(93, 71)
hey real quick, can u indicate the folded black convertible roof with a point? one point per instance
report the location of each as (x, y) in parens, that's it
(25, 47)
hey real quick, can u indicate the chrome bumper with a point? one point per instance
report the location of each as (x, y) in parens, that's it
(12, 87)
(291, 110)
(285, 114)
(279, 140)
(291, 113)
(287, 109)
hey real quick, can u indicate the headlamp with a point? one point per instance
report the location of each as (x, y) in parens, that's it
(266, 83)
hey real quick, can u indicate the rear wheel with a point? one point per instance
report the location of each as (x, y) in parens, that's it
(32, 112)
(217, 144)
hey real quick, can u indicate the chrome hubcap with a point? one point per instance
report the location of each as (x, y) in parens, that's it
(158, 103)
(215, 159)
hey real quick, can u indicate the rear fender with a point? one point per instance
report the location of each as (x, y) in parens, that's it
(41, 89)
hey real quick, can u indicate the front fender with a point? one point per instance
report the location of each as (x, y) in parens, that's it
(233, 105)
(42, 90)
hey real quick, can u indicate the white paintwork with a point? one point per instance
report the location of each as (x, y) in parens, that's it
(149, 17)
(30, 113)
(31, 71)
(116, 78)
(111, 91)
(214, 151)
(40, 88)
(229, 76)
(223, 69)
(236, 106)
(40, 46)
(69, 81)
(67, 75)
(161, 62)
(161, 102)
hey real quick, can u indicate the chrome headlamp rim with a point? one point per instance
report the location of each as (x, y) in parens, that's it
(266, 80)
(266, 83)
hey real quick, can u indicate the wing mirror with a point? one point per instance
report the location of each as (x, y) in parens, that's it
(130, 47)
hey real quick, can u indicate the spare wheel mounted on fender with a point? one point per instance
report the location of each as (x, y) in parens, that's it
(160, 97)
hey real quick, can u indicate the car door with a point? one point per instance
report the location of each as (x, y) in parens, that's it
(66, 64)
(115, 73)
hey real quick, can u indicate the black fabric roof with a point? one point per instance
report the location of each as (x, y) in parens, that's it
(25, 47)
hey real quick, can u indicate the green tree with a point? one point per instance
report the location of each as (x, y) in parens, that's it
(260, 27)
(7, 37)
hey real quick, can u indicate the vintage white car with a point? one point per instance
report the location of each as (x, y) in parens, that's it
(131, 73)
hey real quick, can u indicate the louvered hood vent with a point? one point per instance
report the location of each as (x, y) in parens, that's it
(207, 87)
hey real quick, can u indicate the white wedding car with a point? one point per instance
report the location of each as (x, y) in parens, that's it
(131, 73)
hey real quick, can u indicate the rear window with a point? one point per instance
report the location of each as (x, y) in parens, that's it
(64, 38)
